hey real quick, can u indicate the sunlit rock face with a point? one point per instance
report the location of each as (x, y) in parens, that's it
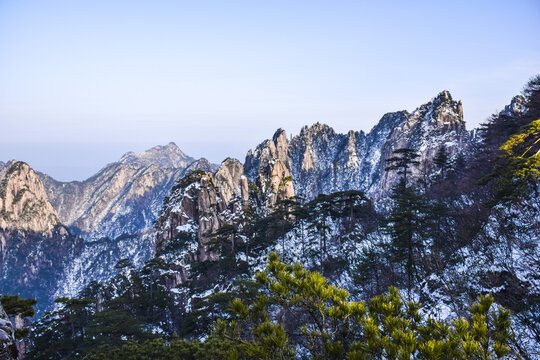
(34, 246)
(231, 180)
(268, 167)
(433, 125)
(24, 204)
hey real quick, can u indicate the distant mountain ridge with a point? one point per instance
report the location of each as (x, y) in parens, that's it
(123, 197)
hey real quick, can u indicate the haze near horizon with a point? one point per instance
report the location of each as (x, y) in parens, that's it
(82, 83)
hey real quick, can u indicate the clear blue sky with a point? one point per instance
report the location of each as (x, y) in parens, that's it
(82, 82)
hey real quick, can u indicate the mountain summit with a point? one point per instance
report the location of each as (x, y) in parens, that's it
(24, 204)
(125, 196)
(168, 156)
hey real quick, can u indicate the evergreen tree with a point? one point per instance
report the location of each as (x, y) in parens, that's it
(402, 161)
(519, 171)
(405, 226)
(302, 314)
(19, 310)
(532, 100)
(321, 209)
(442, 160)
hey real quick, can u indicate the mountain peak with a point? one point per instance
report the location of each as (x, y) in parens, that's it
(442, 112)
(279, 133)
(24, 204)
(316, 128)
(516, 107)
(444, 96)
(169, 156)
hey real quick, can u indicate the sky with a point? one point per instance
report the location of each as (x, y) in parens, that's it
(83, 82)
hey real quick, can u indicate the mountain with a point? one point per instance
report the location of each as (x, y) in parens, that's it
(115, 210)
(112, 212)
(23, 201)
(124, 197)
(216, 230)
(323, 161)
(315, 162)
(170, 238)
(34, 246)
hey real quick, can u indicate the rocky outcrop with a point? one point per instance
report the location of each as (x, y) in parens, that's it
(269, 168)
(200, 206)
(433, 125)
(319, 156)
(517, 106)
(8, 347)
(34, 246)
(24, 204)
(323, 161)
(267, 153)
(231, 181)
(124, 197)
(275, 182)
(195, 208)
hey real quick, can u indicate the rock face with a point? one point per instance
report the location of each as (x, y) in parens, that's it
(267, 153)
(433, 125)
(516, 107)
(8, 348)
(269, 168)
(322, 161)
(124, 197)
(195, 207)
(34, 246)
(231, 180)
(200, 204)
(24, 204)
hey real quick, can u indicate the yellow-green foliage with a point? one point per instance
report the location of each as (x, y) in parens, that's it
(520, 151)
(303, 308)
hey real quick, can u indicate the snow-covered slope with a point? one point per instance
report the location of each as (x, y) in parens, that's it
(124, 197)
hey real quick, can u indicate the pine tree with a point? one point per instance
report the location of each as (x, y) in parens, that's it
(323, 323)
(442, 160)
(532, 100)
(518, 172)
(405, 225)
(402, 161)
(321, 209)
(18, 309)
